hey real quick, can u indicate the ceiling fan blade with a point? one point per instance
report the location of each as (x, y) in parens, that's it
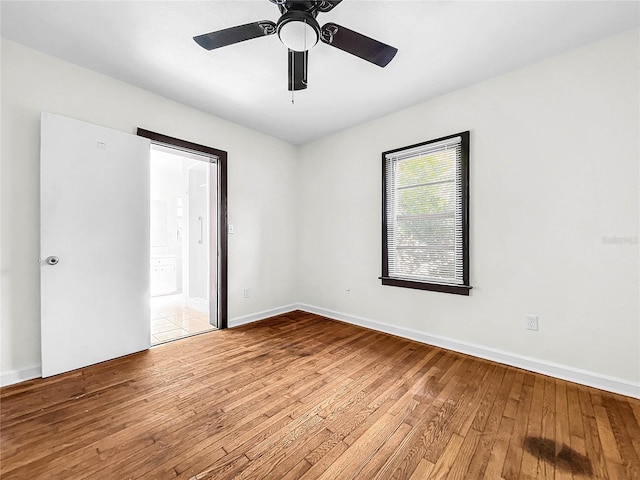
(357, 44)
(327, 5)
(298, 70)
(232, 35)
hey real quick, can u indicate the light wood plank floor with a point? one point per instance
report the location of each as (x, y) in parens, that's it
(302, 397)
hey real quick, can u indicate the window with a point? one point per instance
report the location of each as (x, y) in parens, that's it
(425, 218)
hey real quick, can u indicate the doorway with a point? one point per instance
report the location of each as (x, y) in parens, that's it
(180, 237)
(187, 238)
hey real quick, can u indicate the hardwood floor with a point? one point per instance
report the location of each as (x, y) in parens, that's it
(303, 397)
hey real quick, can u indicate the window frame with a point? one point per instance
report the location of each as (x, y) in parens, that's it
(463, 289)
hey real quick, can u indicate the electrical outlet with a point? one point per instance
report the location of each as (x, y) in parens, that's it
(231, 229)
(532, 322)
(246, 293)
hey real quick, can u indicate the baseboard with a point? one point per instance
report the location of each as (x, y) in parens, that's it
(564, 372)
(254, 317)
(198, 304)
(15, 376)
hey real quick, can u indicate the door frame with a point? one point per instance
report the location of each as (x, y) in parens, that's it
(219, 196)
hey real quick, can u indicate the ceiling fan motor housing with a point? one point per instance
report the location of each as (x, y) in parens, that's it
(298, 30)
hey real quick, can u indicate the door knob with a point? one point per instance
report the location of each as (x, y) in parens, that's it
(52, 260)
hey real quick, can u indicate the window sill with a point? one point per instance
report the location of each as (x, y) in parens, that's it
(434, 287)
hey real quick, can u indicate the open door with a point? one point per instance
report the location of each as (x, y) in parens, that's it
(94, 187)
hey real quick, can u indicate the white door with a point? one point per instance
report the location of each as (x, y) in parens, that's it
(94, 245)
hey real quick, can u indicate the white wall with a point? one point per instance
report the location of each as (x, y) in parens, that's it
(554, 170)
(261, 176)
(554, 174)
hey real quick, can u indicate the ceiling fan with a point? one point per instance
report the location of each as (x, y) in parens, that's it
(299, 31)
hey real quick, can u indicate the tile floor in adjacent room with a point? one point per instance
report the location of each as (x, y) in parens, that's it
(170, 319)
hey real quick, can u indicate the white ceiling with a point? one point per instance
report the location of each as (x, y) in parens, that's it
(443, 46)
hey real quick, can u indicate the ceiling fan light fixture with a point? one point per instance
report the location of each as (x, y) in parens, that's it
(298, 31)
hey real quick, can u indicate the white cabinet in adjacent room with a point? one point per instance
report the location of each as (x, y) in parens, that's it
(163, 276)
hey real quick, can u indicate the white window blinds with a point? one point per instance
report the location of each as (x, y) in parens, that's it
(424, 211)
